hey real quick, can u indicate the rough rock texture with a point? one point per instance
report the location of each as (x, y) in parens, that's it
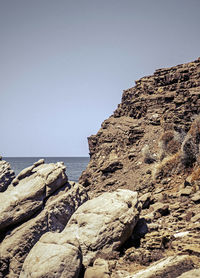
(51, 258)
(36, 184)
(151, 145)
(170, 96)
(170, 267)
(104, 223)
(6, 175)
(47, 184)
(99, 225)
(195, 273)
(100, 269)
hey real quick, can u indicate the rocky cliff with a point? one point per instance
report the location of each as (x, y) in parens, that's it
(168, 99)
(135, 212)
(151, 145)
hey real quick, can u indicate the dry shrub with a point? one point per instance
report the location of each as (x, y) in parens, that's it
(170, 143)
(194, 131)
(190, 145)
(147, 155)
(167, 167)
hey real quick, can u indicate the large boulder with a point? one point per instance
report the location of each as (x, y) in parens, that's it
(102, 224)
(105, 222)
(54, 217)
(53, 259)
(6, 175)
(19, 203)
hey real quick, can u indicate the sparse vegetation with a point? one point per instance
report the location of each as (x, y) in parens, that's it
(147, 155)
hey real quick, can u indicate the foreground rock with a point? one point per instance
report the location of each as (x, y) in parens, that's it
(195, 273)
(54, 217)
(100, 269)
(6, 175)
(170, 267)
(53, 259)
(34, 185)
(151, 145)
(104, 223)
(99, 225)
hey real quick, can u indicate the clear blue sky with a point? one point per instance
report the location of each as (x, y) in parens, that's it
(64, 64)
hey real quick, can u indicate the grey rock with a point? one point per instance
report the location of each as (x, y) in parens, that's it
(170, 267)
(53, 259)
(54, 217)
(101, 224)
(18, 204)
(6, 175)
(195, 273)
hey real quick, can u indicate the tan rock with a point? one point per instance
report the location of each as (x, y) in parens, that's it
(6, 175)
(195, 273)
(104, 223)
(18, 204)
(100, 269)
(170, 267)
(54, 217)
(52, 259)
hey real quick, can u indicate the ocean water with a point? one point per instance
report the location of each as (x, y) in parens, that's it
(75, 165)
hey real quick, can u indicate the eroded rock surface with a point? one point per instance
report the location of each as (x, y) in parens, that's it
(99, 225)
(6, 175)
(45, 188)
(52, 258)
(151, 145)
(170, 267)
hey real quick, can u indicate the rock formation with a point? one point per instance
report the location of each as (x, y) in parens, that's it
(136, 209)
(39, 200)
(100, 225)
(151, 145)
(6, 175)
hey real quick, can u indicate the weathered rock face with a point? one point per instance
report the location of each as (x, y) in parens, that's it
(172, 96)
(170, 267)
(195, 273)
(100, 269)
(6, 175)
(19, 203)
(46, 189)
(151, 145)
(104, 223)
(100, 225)
(52, 259)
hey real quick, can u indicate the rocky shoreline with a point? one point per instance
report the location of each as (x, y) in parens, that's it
(135, 212)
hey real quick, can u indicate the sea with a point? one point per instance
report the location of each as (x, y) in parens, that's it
(75, 165)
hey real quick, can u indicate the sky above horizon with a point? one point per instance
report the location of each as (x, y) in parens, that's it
(64, 65)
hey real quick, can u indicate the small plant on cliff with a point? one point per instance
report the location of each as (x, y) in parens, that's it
(147, 155)
(168, 166)
(170, 143)
(190, 145)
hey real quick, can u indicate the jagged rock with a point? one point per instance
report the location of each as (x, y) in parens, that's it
(6, 175)
(18, 204)
(101, 224)
(53, 259)
(194, 273)
(146, 200)
(100, 269)
(170, 97)
(54, 217)
(170, 267)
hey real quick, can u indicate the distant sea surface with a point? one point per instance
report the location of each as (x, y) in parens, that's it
(75, 165)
